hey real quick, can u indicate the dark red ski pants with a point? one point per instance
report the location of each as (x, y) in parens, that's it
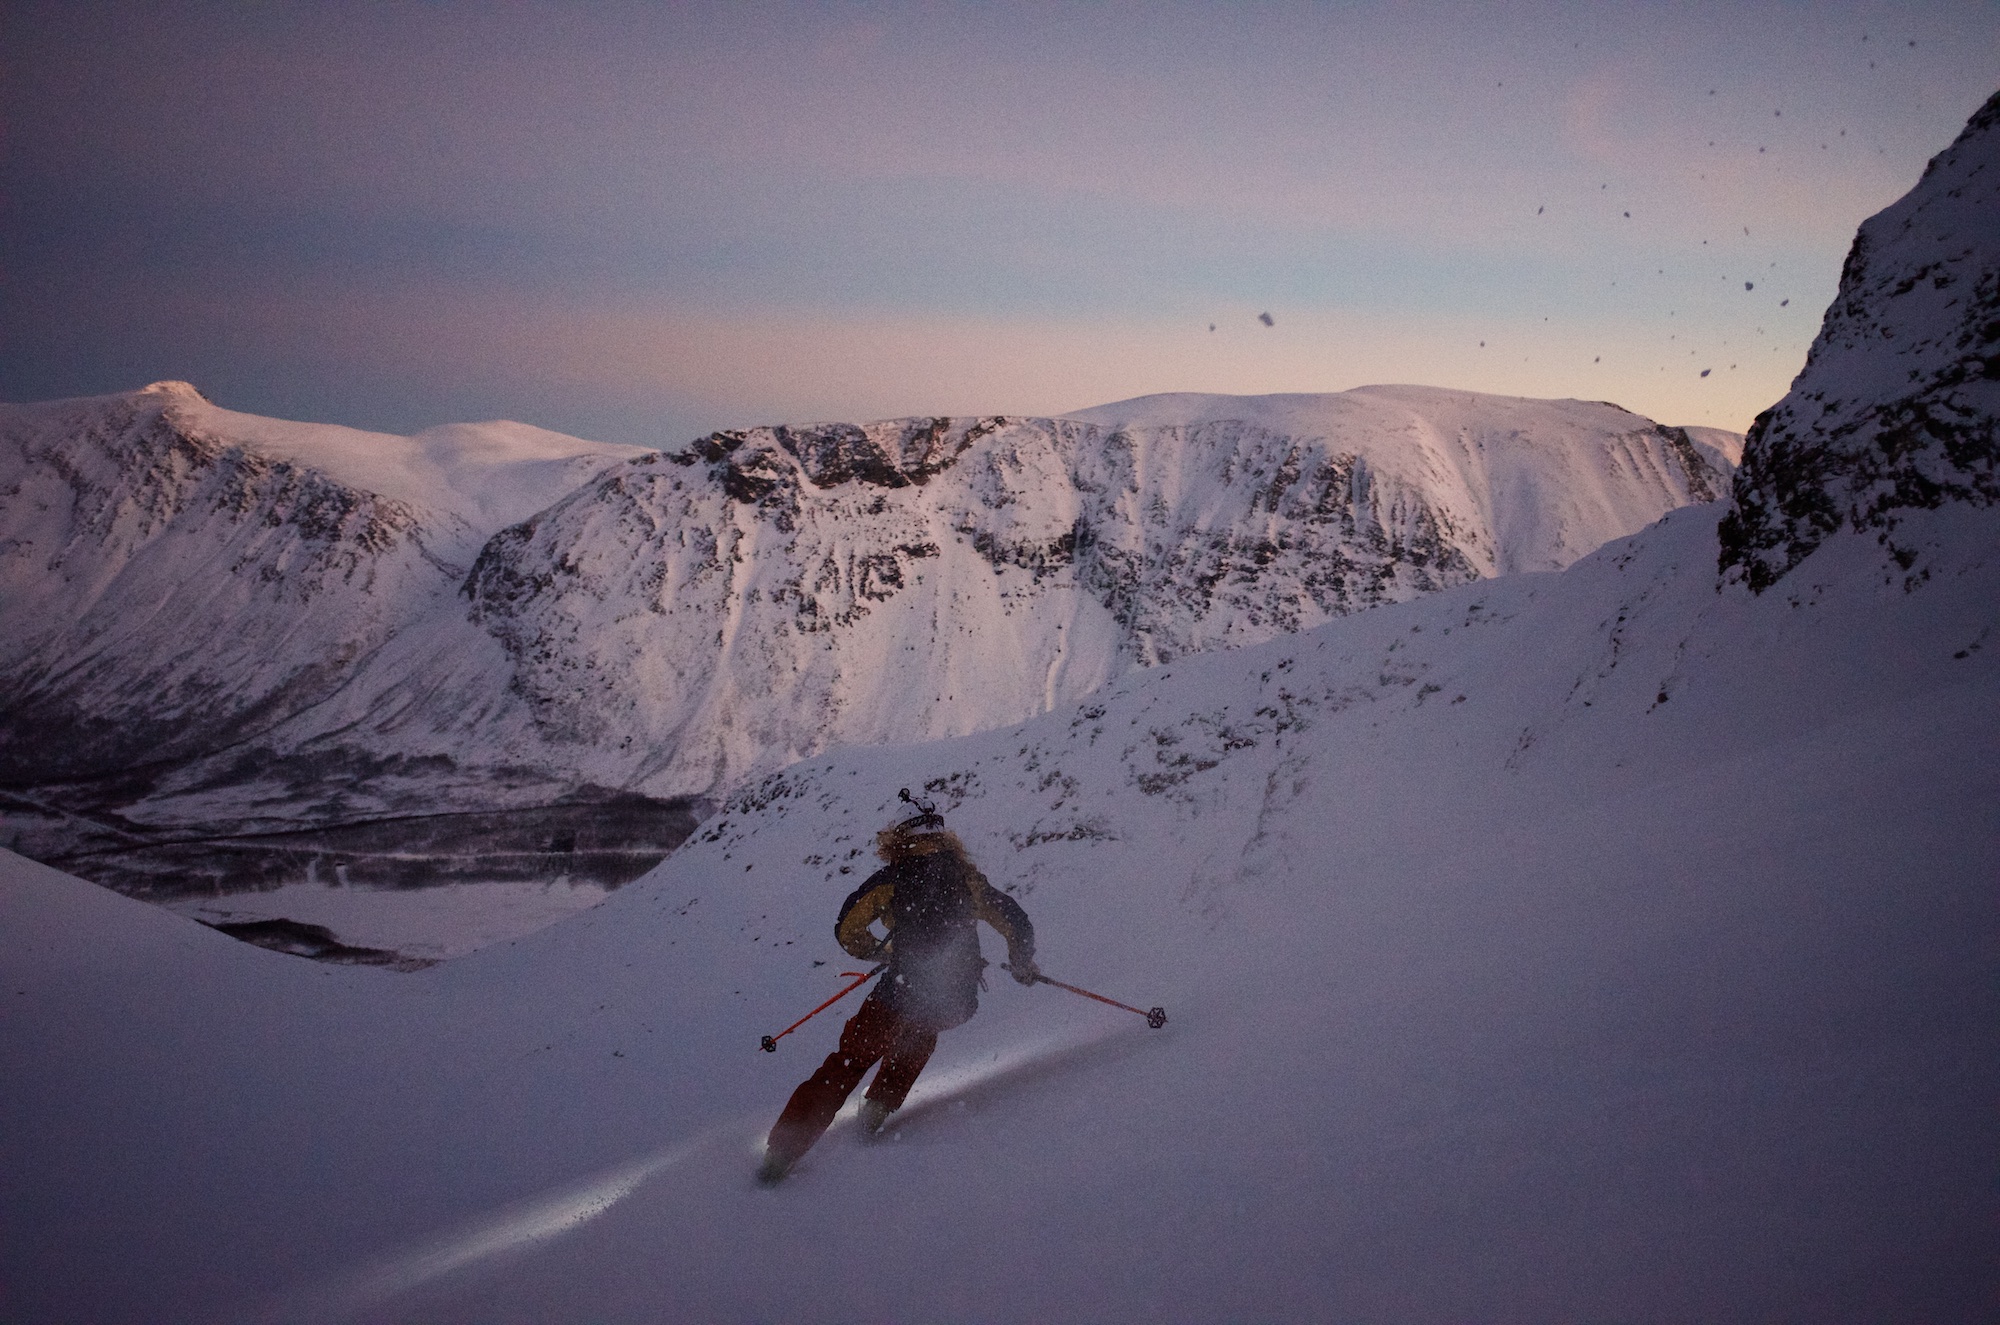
(875, 1032)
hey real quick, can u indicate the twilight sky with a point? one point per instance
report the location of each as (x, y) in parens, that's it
(640, 222)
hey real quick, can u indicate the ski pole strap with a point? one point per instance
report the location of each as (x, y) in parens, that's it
(769, 1044)
(1155, 1017)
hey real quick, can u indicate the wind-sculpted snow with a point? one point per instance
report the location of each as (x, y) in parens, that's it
(1896, 408)
(693, 618)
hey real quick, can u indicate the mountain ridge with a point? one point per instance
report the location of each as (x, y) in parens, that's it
(235, 627)
(1895, 409)
(1100, 547)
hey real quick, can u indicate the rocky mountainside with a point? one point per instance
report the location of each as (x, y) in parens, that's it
(691, 618)
(1895, 410)
(267, 639)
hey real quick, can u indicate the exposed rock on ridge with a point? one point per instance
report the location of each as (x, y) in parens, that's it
(692, 618)
(1896, 407)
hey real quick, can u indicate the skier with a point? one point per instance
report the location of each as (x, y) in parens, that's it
(926, 896)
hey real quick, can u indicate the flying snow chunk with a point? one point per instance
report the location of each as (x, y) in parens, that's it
(1265, 318)
(1749, 285)
(1706, 371)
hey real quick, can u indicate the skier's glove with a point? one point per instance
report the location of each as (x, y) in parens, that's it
(1024, 970)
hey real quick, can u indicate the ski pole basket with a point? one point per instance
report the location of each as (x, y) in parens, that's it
(769, 1043)
(1156, 1017)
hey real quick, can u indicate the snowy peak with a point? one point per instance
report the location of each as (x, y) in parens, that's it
(174, 390)
(1548, 477)
(482, 476)
(499, 473)
(690, 619)
(178, 575)
(472, 478)
(165, 588)
(1898, 407)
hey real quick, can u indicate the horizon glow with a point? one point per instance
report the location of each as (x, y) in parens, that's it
(638, 223)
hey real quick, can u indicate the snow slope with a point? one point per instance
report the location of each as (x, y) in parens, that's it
(1615, 944)
(183, 585)
(1559, 1001)
(1543, 481)
(180, 577)
(485, 476)
(168, 590)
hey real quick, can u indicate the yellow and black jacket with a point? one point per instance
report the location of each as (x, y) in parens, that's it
(928, 897)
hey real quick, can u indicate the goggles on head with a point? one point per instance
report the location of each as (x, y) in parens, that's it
(926, 816)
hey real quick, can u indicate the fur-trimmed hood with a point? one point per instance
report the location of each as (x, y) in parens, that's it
(900, 844)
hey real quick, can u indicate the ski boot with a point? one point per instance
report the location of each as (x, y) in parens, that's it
(774, 1168)
(874, 1117)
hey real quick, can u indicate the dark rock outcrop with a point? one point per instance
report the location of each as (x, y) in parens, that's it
(1898, 407)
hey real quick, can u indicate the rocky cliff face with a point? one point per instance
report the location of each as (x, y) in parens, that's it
(1896, 408)
(694, 617)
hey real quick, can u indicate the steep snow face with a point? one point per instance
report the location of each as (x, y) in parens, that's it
(690, 619)
(1896, 407)
(221, 625)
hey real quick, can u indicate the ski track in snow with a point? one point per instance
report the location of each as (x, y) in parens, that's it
(728, 1149)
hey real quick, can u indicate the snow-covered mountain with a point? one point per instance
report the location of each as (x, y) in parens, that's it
(180, 581)
(231, 627)
(1895, 410)
(1553, 1002)
(693, 618)
(180, 578)
(1614, 944)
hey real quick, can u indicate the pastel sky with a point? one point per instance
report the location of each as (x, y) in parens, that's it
(641, 222)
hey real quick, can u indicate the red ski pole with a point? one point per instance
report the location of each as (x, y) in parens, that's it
(770, 1042)
(1155, 1017)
